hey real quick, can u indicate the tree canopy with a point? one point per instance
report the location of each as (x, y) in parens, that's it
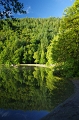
(8, 7)
(26, 40)
(64, 49)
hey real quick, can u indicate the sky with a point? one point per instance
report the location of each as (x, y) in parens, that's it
(44, 8)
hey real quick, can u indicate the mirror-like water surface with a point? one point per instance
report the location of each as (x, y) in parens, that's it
(31, 88)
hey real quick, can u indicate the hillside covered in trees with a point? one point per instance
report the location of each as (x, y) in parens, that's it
(49, 40)
(26, 40)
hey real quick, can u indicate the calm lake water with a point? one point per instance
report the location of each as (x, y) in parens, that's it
(29, 93)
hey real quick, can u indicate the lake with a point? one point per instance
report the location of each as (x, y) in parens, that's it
(29, 93)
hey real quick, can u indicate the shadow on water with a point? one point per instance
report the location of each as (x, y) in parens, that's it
(21, 115)
(29, 93)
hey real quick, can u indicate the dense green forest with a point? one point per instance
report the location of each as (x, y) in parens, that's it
(50, 40)
(26, 40)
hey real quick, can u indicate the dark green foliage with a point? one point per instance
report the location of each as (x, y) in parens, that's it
(26, 40)
(32, 88)
(8, 7)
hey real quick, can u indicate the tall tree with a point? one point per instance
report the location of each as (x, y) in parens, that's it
(65, 49)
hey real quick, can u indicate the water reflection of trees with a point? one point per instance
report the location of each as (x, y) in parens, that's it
(31, 88)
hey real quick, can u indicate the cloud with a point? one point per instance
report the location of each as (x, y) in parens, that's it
(28, 9)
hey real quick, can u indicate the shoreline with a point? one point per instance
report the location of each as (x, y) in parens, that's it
(69, 109)
(36, 65)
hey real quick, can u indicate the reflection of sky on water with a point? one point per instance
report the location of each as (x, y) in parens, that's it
(21, 115)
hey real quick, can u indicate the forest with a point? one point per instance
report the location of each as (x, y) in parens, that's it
(43, 41)
(26, 40)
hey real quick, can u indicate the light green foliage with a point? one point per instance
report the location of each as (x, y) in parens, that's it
(51, 52)
(65, 50)
(26, 40)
